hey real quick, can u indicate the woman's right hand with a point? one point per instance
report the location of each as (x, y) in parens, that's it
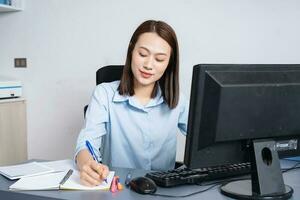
(91, 172)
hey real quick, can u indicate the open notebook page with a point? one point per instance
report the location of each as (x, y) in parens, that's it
(73, 183)
(51, 182)
(42, 182)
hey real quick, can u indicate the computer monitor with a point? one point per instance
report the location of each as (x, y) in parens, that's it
(245, 113)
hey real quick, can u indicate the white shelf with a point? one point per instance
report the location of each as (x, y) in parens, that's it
(12, 100)
(17, 5)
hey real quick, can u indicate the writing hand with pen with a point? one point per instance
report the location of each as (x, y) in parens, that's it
(92, 173)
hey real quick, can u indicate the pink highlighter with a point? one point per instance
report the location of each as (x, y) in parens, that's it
(114, 184)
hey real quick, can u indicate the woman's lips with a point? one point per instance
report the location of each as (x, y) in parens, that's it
(145, 74)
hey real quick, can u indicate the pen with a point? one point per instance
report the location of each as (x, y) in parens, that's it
(90, 148)
(66, 177)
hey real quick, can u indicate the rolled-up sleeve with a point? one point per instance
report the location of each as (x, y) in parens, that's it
(97, 116)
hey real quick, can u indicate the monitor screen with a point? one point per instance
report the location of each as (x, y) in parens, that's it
(233, 104)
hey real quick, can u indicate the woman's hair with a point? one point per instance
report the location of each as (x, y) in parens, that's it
(169, 82)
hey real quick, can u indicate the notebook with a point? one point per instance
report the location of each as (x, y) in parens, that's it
(24, 170)
(52, 182)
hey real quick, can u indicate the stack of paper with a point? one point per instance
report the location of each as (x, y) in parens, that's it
(60, 165)
(24, 170)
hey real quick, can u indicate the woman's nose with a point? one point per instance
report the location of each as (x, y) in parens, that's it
(147, 68)
(148, 64)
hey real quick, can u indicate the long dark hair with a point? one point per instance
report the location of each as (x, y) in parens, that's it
(169, 82)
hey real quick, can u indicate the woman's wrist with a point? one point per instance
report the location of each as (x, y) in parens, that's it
(83, 158)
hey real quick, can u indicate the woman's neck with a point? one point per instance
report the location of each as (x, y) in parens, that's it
(143, 93)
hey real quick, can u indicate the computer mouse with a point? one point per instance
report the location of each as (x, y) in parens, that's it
(143, 185)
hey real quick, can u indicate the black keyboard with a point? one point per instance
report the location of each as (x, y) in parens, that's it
(196, 176)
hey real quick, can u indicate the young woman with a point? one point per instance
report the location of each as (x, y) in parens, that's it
(138, 115)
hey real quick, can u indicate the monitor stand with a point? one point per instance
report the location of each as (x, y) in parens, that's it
(266, 176)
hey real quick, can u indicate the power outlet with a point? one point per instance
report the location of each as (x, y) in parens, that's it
(20, 62)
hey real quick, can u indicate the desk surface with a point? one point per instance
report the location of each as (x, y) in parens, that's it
(291, 178)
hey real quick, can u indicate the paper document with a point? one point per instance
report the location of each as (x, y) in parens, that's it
(24, 170)
(51, 182)
(60, 165)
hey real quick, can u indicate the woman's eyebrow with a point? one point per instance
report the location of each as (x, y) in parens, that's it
(145, 48)
(161, 53)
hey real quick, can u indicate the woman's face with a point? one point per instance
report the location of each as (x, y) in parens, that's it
(150, 58)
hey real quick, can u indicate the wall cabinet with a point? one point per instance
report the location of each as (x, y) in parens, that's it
(16, 5)
(13, 131)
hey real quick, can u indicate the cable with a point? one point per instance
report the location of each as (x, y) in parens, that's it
(291, 168)
(187, 195)
(211, 184)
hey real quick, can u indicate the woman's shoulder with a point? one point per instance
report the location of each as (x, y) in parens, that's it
(108, 88)
(183, 100)
(110, 85)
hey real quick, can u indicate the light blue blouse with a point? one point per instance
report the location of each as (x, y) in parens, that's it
(125, 133)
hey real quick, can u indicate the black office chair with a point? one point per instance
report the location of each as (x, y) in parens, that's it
(106, 74)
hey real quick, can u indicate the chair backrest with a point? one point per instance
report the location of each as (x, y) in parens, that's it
(106, 74)
(109, 73)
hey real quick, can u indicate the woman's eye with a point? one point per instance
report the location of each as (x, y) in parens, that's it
(143, 54)
(160, 60)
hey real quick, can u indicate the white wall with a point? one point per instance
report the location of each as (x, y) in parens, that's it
(66, 41)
